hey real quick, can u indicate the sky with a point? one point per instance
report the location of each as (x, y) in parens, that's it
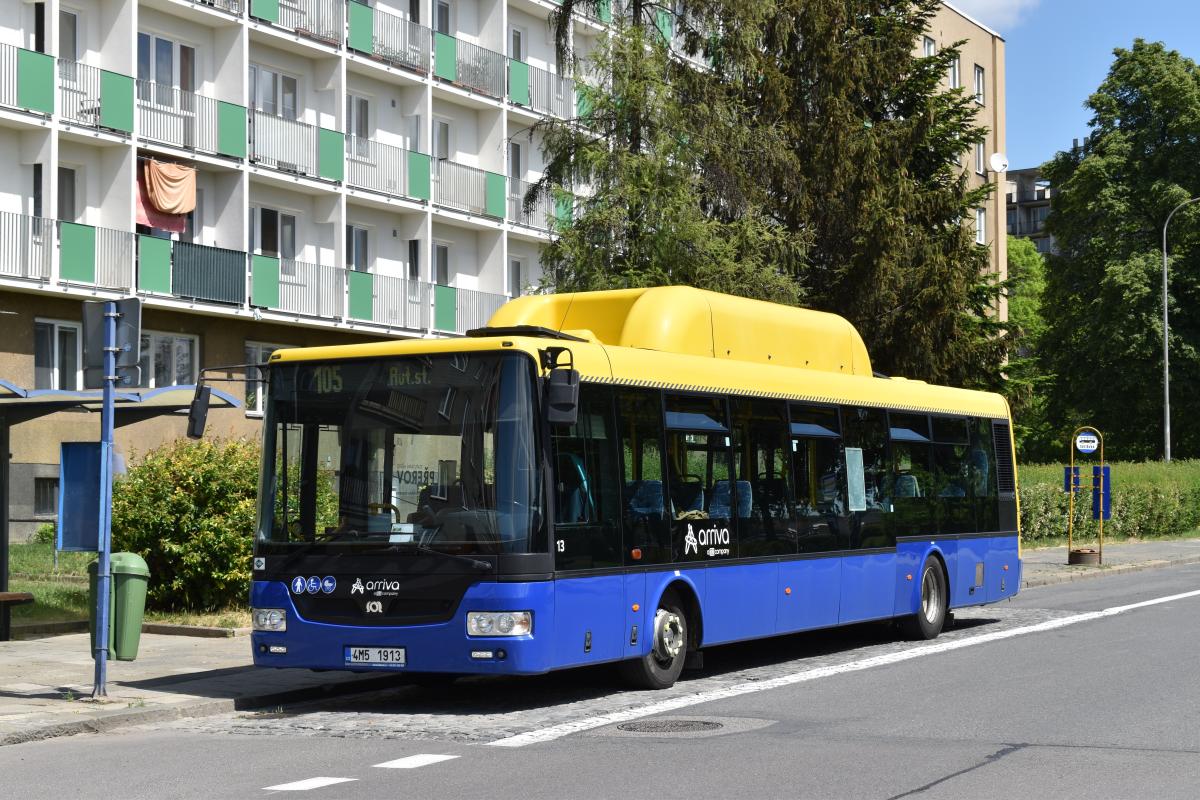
(1058, 52)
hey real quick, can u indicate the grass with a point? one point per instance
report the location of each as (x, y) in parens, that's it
(61, 594)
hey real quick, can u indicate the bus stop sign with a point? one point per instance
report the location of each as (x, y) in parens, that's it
(1087, 443)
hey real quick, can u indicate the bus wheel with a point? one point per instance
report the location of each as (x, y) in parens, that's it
(660, 668)
(931, 616)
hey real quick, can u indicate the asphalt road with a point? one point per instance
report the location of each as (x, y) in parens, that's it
(1038, 697)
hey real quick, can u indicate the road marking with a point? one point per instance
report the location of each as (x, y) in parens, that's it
(305, 785)
(412, 762)
(676, 703)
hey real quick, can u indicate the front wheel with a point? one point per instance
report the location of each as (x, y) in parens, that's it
(927, 623)
(660, 668)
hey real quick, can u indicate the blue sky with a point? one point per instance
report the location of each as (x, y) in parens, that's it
(1059, 51)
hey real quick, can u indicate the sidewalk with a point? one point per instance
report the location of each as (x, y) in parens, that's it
(45, 684)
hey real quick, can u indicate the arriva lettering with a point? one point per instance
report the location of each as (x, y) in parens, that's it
(706, 537)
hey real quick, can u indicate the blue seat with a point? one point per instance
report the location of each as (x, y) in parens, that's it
(722, 503)
(907, 486)
(645, 498)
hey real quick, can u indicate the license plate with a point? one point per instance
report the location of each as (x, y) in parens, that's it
(375, 656)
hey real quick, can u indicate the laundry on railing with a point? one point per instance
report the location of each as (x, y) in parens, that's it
(172, 187)
(149, 215)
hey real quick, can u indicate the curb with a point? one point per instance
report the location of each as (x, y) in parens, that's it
(166, 629)
(1087, 573)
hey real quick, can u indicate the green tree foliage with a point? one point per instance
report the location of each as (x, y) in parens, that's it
(188, 508)
(814, 158)
(1028, 385)
(1104, 341)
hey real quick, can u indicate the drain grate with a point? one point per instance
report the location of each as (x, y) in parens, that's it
(670, 726)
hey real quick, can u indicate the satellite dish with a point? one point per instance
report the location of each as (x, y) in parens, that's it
(998, 162)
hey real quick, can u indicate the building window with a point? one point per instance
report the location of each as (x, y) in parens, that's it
(1012, 221)
(273, 233)
(980, 226)
(66, 193)
(516, 277)
(441, 14)
(441, 139)
(516, 170)
(980, 90)
(356, 249)
(980, 158)
(930, 47)
(358, 116)
(414, 259)
(956, 73)
(273, 93)
(168, 359)
(56, 355)
(256, 390)
(516, 44)
(441, 264)
(45, 497)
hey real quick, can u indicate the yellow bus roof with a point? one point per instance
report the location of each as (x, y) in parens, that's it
(684, 339)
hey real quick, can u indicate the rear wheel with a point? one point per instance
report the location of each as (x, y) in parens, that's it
(927, 623)
(660, 668)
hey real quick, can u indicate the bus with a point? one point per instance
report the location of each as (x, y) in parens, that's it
(620, 476)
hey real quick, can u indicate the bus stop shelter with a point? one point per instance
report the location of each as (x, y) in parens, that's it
(19, 405)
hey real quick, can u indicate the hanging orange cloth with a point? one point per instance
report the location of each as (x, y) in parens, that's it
(151, 217)
(172, 187)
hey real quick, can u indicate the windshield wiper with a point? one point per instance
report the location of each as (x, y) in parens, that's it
(474, 562)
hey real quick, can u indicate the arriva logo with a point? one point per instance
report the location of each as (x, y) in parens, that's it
(705, 537)
(357, 588)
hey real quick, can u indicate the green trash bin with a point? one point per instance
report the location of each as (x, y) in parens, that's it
(126, 603)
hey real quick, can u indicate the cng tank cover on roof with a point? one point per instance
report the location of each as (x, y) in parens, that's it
(681, 319)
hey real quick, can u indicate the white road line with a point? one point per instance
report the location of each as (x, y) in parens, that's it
(676, 703)
(412, 762)
(305, 785)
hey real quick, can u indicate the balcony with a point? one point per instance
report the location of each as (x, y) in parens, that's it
(231, 6)
(463, 188)
(26, 80)
(388, 38)
(169, 116)
(95, 98)
(469, 66)
(29, 246)
(388, 170)
(321, 20)
(540, 216)
(296, 147)
(538, 89)
(1028, 228)
(211, 274)
(98, 257)
(1029, 196)
(460, 310)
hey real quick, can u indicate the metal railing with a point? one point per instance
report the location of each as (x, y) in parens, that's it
(401, 42)
(540, 216)
(550, 93)
(1030, 196)
(208, 273)
(79, 93)
(1026, 228)
(8, 76)
(28, 248)
(458, 186)
(475, 308)
(313, 290)
(376, 166)
(401, 303)
(481, 69)
(114, 259)
(175, 117)
(232, 6)
(323, 20)
(284, 144)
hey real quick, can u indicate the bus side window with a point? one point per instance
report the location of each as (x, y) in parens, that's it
(586, 473)
(820, 482)
(647, 535)
(983, 476)
(865, 435)
(952, 482)
(702, 497)
(911, 480)
(762, 450)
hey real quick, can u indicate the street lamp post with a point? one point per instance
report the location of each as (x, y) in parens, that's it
(1166, 340)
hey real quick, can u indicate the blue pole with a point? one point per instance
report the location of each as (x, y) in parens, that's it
(104, 570)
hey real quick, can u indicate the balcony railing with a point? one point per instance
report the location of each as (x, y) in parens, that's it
(389, 38)
(232, 6)
(284, 144)
(175, 117)
(323, 20)
(214, 274)
(550, 93)
(29, 248)
(474, 308)
(468, 189)
(26, 79)
(91, 256)
(376, 166)
(469, 65)
(95, 98)
(540, 216)
(313, 290)
(401, 303)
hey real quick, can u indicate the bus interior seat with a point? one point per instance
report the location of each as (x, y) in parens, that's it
(645, 498)
(772, 496)
(687, 496)
(907, 486)
(434, 498)
(722, 503)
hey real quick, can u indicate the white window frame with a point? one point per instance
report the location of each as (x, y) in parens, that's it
(956, 73)
(516, 282)
(981, 226)
(451, 29)
(980, 85)
(287, 265)
(79, 32)
(255, 102)
(980, 158)
(930, 47)
(517, 30)
(518, 174)
(434, 266)
(449, 123)
(151, 353)
(55, 378)
(351, 229)
(262, 351)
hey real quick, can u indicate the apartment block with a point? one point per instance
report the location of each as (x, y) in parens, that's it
(1028, 206)
(358, 173)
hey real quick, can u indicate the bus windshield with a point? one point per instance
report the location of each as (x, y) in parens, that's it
(433, 452)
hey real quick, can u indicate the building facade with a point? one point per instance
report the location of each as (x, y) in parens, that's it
(1028, 199)
(359, 171)
(979, 71)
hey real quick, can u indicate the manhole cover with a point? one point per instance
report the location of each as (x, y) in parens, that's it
(670, 726)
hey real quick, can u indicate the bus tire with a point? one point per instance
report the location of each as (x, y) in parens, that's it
(660, 668)
(927, 623)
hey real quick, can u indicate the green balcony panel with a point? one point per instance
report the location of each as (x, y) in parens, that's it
(665, 22)
(494, 200)
(362, 27)
(564, 210)
(583, 101)
(331, 155)
(77, 252)
(264, 281)
(154, 264)
(35, 81)
(418, 175)
(361, 286)
(116, 101)
(265, 9)
(606, 11)
(518, 82)
(231, 129)
(445, 57)
(445, 308)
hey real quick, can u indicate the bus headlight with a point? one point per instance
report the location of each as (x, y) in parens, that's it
(499, 623)
(269, 619)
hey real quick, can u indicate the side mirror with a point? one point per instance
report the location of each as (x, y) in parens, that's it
(198, 412)
(562, 396)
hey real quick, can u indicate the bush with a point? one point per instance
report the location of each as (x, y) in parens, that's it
(188, 508)
(45, 534)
